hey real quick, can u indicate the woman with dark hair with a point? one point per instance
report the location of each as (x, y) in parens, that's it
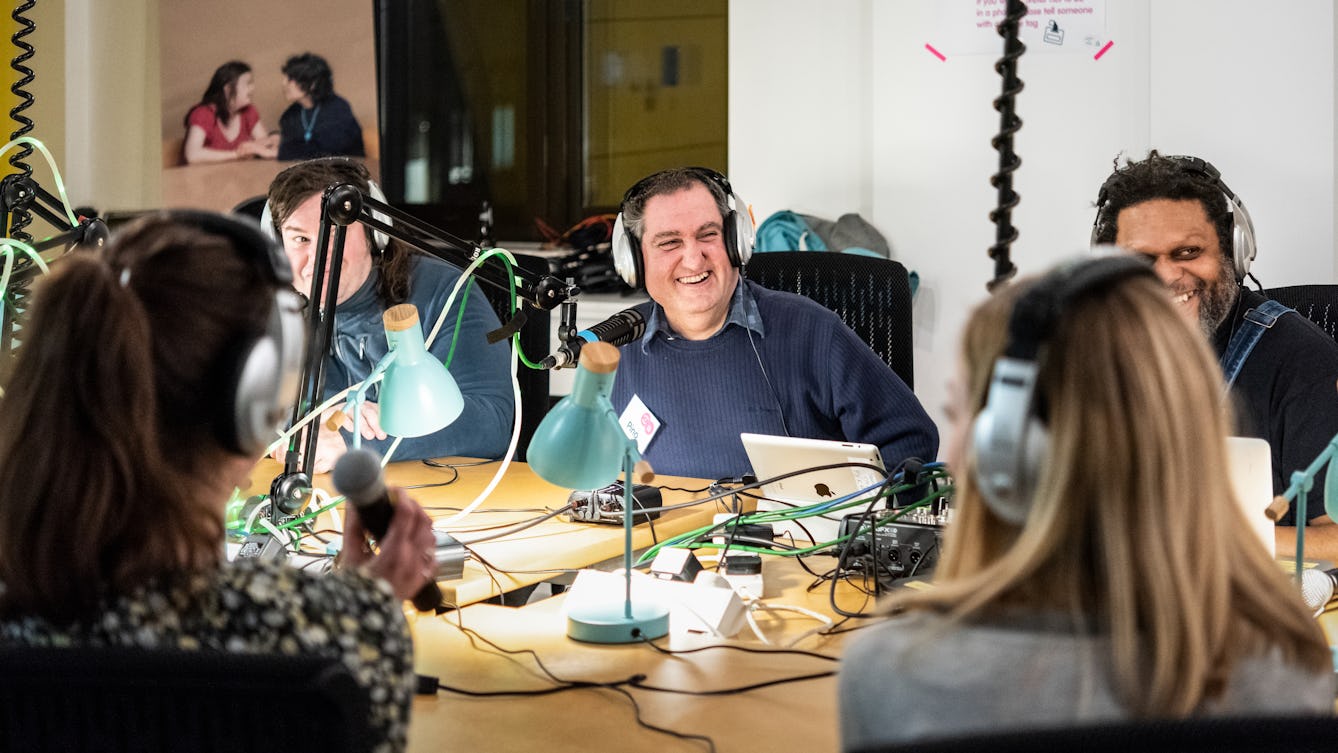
(318, 123)
(150, 378)
(225, 125)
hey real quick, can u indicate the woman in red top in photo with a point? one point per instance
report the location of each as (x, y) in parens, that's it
(225, 125)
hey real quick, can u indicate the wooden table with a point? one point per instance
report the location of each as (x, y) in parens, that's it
(799, 716)
(521, 495)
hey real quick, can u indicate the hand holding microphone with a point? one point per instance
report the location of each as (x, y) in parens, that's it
(620, 329)
(407, 556)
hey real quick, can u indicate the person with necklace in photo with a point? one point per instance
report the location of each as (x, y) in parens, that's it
(318, 123)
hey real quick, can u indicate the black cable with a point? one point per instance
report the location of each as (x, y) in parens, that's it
(737, 689)
(744, 649)
(516, 527)
(19, 218)
(1009, 124)
(565, 685)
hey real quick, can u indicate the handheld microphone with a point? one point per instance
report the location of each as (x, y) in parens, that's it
(620, 329)
(357, 476)
(1317, 587)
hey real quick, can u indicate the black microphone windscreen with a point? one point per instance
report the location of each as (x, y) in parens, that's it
(357, 476)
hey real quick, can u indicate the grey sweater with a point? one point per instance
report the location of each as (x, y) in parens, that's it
(916, 677)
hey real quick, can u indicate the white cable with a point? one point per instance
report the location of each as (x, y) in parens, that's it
(752, 623)
(515, 393)
(755, 605)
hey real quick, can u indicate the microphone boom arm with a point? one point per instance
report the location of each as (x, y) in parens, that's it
(341, 205)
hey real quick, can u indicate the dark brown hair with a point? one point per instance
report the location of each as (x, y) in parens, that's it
(109, 419)
(221, 87)
(305, 179)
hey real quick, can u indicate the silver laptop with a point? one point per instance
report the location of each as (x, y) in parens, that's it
(773, 456)
(1251, 466)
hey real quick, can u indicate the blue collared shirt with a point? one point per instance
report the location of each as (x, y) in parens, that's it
(742, 311)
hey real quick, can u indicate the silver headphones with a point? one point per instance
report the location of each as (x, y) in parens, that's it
(1009, 441)
(380, 240)
(738, 228)
(264, 372)
(1242, 241)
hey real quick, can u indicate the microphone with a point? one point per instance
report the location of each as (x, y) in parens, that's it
(620, 329)
(357, 476)
(1317, 587)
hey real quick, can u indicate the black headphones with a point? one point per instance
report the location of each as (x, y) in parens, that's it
(1009, 440)
(263, 371)
(1243, 247)
(738, 228)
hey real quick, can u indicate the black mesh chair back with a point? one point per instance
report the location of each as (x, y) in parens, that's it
(1318, 303)
(1260, 734)
(871, 295)
(253, 207)
(118, 700)
(534, 341)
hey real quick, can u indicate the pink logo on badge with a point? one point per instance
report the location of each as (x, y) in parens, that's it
(647, 423)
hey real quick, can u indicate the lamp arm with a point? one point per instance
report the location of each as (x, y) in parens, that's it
(349, 204)
(1299, 490)
(355, 403)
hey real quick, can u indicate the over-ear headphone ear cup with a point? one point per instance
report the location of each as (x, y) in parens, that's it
(264, 379)
(250, 423)
(745, 234)
(1242, 239)
(1007, 480)
(267, 223)
(380, 240)
(731, 232)
(1007, 439)
(626, 252)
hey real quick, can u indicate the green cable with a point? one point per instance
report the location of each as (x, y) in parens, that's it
(459, 317)
(768, 516)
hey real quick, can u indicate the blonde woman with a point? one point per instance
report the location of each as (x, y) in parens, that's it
(1104, 569)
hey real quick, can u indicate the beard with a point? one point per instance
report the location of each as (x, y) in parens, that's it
(1216, 299)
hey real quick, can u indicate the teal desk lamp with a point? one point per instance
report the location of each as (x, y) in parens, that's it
(418, 395)
(579, 445)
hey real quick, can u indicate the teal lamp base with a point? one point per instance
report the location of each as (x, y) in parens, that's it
(616, 623)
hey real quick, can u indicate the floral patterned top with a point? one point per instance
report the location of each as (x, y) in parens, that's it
(262, 607)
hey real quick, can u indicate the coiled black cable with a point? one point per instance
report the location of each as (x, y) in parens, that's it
(1009, 124)
(19, 218)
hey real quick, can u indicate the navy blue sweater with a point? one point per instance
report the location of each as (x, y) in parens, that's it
(825, 382)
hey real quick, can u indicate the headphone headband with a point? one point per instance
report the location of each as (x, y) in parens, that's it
(1241, 243)
(1009, 438)
(739, 231)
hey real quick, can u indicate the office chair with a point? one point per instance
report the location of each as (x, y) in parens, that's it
(1318, 303)
(534, 341)
(1236, 734)
(872, 296)
(251, 207)
(123, 700)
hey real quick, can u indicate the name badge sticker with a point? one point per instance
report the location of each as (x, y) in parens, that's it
(639, 423)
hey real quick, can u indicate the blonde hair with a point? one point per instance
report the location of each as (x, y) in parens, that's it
(1134, 528)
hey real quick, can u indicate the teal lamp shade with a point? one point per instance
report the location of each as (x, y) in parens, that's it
(579, 444)
(418, 395)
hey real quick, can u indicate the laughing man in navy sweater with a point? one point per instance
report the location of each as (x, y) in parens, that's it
(722, 355)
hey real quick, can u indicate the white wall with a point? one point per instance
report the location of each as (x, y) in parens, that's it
(1186, 76)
